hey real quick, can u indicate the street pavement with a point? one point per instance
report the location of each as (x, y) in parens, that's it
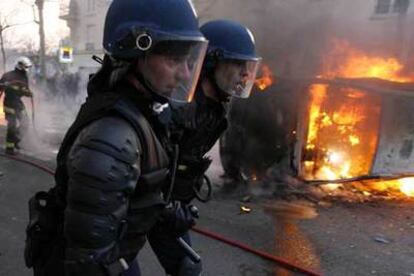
(374, 238)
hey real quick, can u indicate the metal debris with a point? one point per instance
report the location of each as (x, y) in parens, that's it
(382, 239)
(245, 209)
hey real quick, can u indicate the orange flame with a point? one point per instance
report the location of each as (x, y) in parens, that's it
(2, 118)
(407, 186)
(347, 62)
(266, 79)
(318, 95)
(334, 138)
(343, 122)
(403, 186)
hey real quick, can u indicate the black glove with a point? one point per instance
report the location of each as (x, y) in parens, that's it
(178, 218)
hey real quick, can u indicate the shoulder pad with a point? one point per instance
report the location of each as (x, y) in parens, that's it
(113, 136)
(107, 150)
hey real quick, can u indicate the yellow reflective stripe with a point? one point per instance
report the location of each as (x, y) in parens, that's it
(9, 110)
(20, 88)
(182, 167)
(9, 145)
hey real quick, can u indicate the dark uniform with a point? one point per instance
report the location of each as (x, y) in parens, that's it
(15, 85)
(199, 124)
(229, 69)
(112, 166)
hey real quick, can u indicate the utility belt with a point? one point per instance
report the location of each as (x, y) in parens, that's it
(44, 229)
(45, 241)
(190, 178)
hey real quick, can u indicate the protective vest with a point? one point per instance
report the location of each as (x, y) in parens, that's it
(203, 122)
(147, 200)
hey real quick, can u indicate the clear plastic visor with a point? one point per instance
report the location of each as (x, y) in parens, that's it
(236, 77)
(172, 68)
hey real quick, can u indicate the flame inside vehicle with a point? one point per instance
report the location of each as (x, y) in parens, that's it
(2, 118)
(266, 78)
(342, 133)
(343, 123)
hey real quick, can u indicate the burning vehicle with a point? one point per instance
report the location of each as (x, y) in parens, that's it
(354, 122)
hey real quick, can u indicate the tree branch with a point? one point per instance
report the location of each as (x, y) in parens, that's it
(14, 25)
(27, 3)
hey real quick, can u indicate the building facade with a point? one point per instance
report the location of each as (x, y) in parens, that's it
(291, 35)
(85, 19)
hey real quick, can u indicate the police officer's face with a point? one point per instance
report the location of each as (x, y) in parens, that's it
(232, 75)
(165, 73)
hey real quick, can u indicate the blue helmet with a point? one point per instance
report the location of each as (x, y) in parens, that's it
(231, 43)
(145, 30)
(230, 40)
(132, 27)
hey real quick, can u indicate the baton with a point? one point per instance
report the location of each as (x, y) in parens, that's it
(189, 250)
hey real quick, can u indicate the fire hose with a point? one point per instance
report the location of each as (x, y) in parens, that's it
(33, 116)
(277, 260)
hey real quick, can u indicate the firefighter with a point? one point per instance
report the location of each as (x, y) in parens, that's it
(15, 85)
(115, 159)
(229, 70)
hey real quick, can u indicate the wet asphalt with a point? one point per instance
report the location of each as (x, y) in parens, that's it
(343, 239)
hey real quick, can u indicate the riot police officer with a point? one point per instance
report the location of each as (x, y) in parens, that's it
(229, 69)
(115, 159)
(15, 86)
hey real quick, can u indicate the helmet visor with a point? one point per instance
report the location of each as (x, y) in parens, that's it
(236, 76)
(26, 67)
(173, 68)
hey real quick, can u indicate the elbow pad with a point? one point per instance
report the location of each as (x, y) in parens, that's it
(103, 169)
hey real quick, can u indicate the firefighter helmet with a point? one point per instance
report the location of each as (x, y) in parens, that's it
(23, 63)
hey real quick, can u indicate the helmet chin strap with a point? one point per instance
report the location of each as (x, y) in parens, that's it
(154, 95)
(157, 106)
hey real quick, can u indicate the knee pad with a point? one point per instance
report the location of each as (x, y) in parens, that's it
(189, 268)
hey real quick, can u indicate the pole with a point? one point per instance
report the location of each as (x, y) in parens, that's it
(40, 5)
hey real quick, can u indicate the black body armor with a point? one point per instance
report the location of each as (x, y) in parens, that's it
(201, 124)
(111, 169)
